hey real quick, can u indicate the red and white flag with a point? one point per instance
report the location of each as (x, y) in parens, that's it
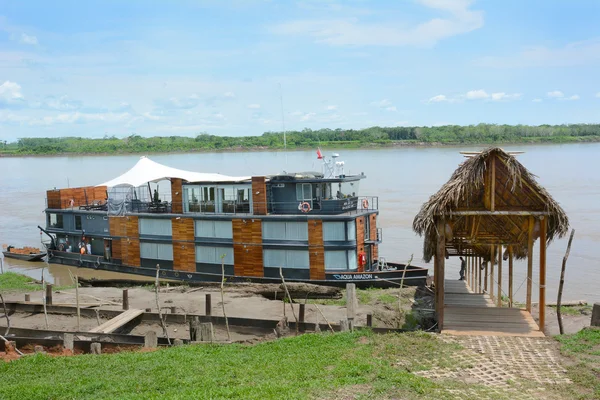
(319, 154)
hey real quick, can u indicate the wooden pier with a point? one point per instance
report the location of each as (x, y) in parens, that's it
(470, 313)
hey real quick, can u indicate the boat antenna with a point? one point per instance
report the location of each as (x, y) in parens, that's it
(283, 123)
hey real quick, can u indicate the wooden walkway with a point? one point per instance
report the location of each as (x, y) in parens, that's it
(469, 313)
(118, 322)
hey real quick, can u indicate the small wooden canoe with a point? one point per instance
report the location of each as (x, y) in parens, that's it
(24, 257)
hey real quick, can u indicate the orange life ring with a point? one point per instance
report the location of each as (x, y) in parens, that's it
(365, 203)
(305, 207)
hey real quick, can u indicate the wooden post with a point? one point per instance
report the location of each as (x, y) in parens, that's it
(493, 186)
(194, 328)
(208, 305)
(77, 303)
(500, 276)
(125, 299)
(27, 298)
(529, 264)
(68, 341)
(151, 340)
(351, 304)
(485, 278)
(479, 271)
(510, 276)
(370, 319)
(207, 333)
(542, 305)
(96, 348)
(562, 283)
(595, 315)
(441, 256)
(49, 294)
(301, 312)
(491, 277)
(177, 342)
(344, 326)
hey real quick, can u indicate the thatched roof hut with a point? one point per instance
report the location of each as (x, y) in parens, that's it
(489, 200)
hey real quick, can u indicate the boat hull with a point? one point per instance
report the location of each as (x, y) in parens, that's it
(24, 257)
(413, 276)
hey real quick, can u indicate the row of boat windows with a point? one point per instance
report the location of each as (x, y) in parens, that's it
(334, 260)
(271, 230)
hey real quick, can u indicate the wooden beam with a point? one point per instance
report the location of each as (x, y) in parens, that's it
(529, 264)
(499, 213)
(441, 256)
(542, 303)
(510, 276)
(499, 276)
(480, 273)
(485, 280)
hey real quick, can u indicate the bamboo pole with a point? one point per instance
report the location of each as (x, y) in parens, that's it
(542, 305)
(6, 315)
(499, 276)
(223, 296)
(510, 276)
(77, 302)
(160, 316)
(529, 264)
(441, 253)
(485, 280)
(493, 186)
(561, 284)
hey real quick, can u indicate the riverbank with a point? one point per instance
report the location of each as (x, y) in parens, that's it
(323, 145)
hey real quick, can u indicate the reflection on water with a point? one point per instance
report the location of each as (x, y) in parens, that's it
(403, 178)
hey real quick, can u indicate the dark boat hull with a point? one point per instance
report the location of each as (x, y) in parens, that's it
(24, 257)
(413, 276)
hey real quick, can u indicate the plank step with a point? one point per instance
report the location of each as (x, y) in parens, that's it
(115, 323)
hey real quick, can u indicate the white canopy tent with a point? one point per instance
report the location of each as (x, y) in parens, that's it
(146, 170)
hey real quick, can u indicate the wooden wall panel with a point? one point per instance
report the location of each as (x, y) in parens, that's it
(61, 199)
(184, 249)
(316, 251)
(373, 236)
(259, 195)
(117, 226)
(116, 249)
(132, 227)
(53, 198)
(247, 247)
(360, 238)
(177, 196)
(131, 252)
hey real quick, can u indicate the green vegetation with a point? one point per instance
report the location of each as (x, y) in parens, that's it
(575, 310)
(583, 348)
(14, 281)
(308, 366)
(307, 138)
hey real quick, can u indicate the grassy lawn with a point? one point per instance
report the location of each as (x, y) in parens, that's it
(14, 281)
(309, 366)
(583, 350)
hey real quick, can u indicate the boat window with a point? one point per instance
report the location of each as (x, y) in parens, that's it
(347, 189)
(340, 260)
(285, 230)
(155, 226)
(286, 258)
(303, 191)
(56, 221)
(213, 229)
(156, 251)
(212, 255)
(351, 230)
(334, 231)
(78, 222)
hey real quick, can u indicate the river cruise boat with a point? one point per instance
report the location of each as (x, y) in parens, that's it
(311, 226)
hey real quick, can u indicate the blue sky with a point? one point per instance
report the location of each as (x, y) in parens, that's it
(91, 68)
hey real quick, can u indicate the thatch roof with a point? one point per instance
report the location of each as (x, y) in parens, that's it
(516, 189)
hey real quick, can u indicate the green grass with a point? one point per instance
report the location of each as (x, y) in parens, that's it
(14, 281)
(308, 366)
(583, 348)
(575, 310)
(367, 296)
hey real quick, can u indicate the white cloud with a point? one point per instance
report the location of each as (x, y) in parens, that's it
(585, 52)
(308, 116)
(218, 115)
(440, 98)
(598, 94)
(253, 106)
(382, 103)
(151, 117)
(537, 100)
(391, 108)
(296, 113)
(477, 95)
(353, 32)
(501, 96)
(230, 95)
(331, 108)
(81, 118)
(10, 91)
(27, 39)
(179, 103)
(572, 98)
(555, 94)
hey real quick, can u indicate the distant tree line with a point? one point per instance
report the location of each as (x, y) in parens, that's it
(308, 138)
